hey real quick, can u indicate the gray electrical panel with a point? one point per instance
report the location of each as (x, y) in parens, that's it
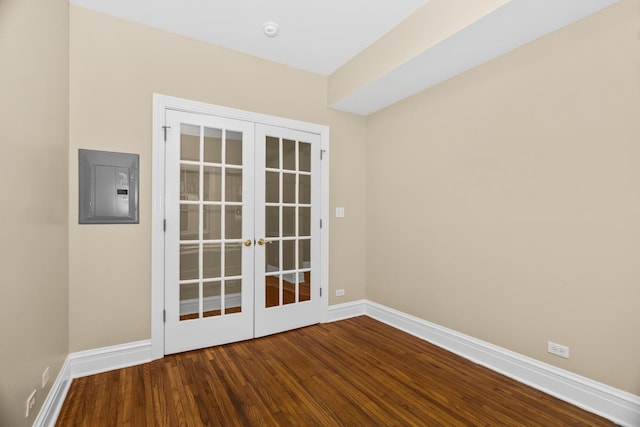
(108, 187)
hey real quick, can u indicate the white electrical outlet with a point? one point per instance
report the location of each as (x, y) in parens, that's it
(31, 401)
(339, 212)
(45, 377)
(558, 350)
(340, 292)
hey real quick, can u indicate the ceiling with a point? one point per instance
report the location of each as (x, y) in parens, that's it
(321, 36)
(315, 35)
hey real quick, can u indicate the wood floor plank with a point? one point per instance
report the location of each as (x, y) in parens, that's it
(353, 372)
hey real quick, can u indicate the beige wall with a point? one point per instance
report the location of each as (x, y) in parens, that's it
(115, 67)
(34, 95)
(505, 203)
(431, 24)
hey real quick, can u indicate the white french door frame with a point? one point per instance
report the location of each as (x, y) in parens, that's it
(161, 103)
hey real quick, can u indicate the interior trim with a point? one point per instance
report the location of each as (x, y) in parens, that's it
(614, 404)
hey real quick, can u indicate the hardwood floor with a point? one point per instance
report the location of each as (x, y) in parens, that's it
(356, 372)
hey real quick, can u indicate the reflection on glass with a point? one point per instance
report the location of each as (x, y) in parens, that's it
(304, 253)
(304, 222)
(289, 154)
(272, 221)
(233, 185)
(234, 148)
(304, 288)
(288, 254)
(273, 153)
(211, 261)
(189, 142)
(189, 222)
(212, 145)
(189, 299)
(305, 189)
(305, 157)
(189, 182)
(272, 291)
(288, 291)
(232, 260)
(189, 262)
(288, 187)
(288, 221)
(233, 222)
(272, 187)
(233, 296)
(212, 219)
(212, 184)
(211, 301)
(272, 256)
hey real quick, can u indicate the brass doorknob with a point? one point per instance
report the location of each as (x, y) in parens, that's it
(247, 242)
(261, 242)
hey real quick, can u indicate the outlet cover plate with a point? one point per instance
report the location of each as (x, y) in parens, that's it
(558, 350)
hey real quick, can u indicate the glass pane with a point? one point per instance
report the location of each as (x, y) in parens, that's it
(305, 157)
(211, 261)
(288, 187)
(234, 148)
(189, 182)
(273, 153)
(288, 289)
(304, 254)
(233, 296)
(189, 301)
(189, 222)
(212, 219)
(233, 222)
(289, 154)
(189, 262)
(233, 185)
(212, 184)
(304, 288)
(272, 190)
(305, 190)
(272, 291)
(189, 142)
(288, 222)
(304, 224)
(272, 256)
(212, 145)
(288, 254)
(232, 260)
(211, 301)
(272, 221)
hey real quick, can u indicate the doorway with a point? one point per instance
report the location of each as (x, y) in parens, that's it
(242, 237)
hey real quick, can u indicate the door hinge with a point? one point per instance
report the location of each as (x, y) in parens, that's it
(322, 152)
(164, 225)
(164, 128)
(320, 292)
(320, 223)
(164, 315)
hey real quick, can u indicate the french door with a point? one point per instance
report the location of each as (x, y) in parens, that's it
(242, 230)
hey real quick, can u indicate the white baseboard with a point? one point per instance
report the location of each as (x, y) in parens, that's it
(53, 403)
(616, 405)
(192, 306)
(346, 310)
(85, 363)
(105, 359)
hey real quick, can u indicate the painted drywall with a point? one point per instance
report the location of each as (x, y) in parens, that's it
(115, 67)
(431, 24)
(34, 94)
(505, 202)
